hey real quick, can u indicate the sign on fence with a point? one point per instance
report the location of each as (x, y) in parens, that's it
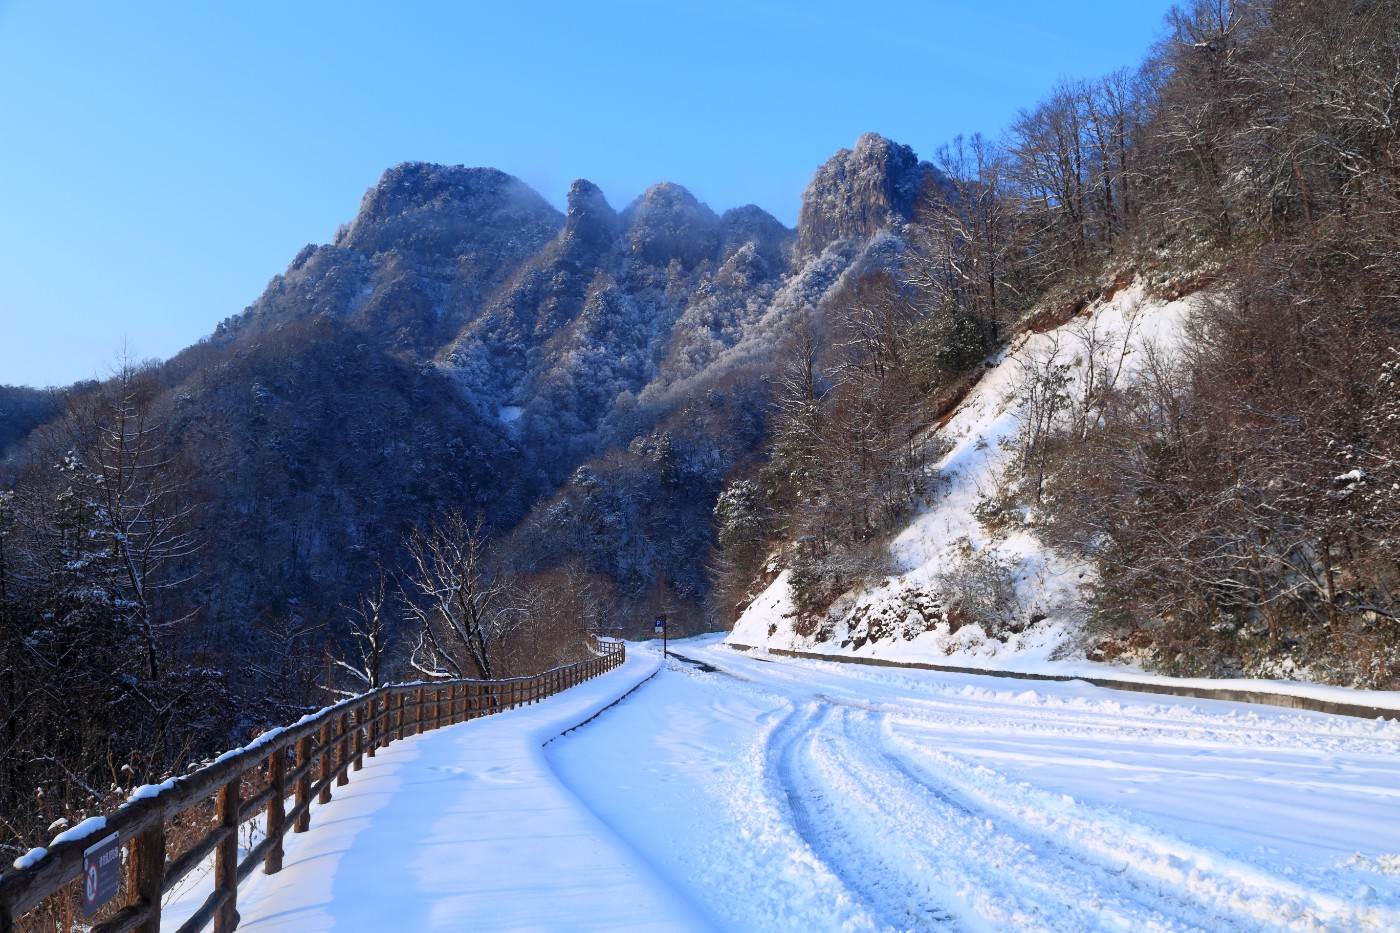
(102, 876)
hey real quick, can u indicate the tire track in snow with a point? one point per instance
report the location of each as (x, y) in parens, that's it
(1029, 710)
(852, 796)
(785, 881)
(817, 816)
(1193, 880)
(930, 861)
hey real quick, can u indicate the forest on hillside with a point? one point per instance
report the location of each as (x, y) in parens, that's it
(1240, 505)
(304, 506)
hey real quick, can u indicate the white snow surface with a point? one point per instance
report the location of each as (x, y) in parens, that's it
(1112, 340)
(779, 794)
(464, 828)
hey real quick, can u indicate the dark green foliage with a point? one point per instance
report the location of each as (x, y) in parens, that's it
(22, 410)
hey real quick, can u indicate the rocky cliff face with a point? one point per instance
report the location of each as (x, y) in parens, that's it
(471, 269)
(859, 192)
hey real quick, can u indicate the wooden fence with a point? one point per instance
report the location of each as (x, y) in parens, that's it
(302, 762)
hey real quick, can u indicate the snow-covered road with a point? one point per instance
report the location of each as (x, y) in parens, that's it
(746, 794)
(796, 795)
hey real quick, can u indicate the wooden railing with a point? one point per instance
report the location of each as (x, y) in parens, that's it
(302, 761)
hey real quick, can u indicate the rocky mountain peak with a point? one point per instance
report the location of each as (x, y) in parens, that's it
(667, 222)
(860, 191)
(589, 219)
(449, 210)
(751, 224)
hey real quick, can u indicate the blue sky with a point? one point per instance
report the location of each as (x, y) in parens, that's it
(159, 163)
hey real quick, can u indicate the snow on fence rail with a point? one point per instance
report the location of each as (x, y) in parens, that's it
(303, 760)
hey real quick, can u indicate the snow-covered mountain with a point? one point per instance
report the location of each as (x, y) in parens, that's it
(527, 343)
(552, 318)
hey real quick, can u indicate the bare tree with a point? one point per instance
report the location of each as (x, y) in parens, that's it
(964, 248)
(126, 472)
(562, 607)
(371, 640)
(465, 609)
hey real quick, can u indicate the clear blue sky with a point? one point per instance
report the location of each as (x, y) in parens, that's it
(159, 162)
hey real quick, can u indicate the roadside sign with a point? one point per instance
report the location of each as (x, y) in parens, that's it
(102, 876)
(660, 627)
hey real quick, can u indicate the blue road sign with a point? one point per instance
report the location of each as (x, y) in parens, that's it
(102, 876)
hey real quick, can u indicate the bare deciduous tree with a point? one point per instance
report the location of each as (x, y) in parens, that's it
(464, 608)
(127, 474)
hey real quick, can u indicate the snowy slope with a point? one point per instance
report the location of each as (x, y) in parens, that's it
(901, 619)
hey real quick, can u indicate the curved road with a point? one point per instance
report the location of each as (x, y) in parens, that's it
(800, 795)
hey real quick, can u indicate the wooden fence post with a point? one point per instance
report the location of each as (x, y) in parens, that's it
(327, 763)
(342, 755)
(401, 731)
(145, 874)
(372, 739)
(357, 737)
(276, 809)
(418, 712)
(226, 859)
(303, 822)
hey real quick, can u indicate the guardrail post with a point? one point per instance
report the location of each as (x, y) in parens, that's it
(400, 729)
(418, 712)
(276, 809)
(145, 875)
(303, 822)
(327, 763)
(226, 859)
